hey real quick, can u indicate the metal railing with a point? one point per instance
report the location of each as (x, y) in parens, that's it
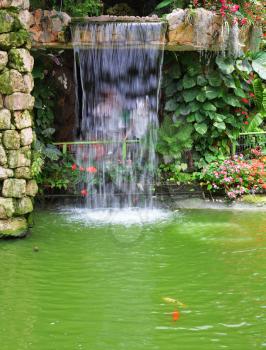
(248, 140)
(68, 146)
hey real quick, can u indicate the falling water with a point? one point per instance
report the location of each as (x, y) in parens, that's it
(118, 73)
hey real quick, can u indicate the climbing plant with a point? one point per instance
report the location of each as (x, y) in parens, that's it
(208, 102)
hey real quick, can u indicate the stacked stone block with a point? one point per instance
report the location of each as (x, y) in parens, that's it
(17, 188)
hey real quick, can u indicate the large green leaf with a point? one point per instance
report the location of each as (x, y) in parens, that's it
(163, 4)
(195, 106)
(194, 70)
(240, 92)
(214, 79)
(211, 92)
(231, 100)
(259, 64)
(225, 64)
(201, 97)
(220, 125)
(188, 82)
(176, 71)
(171, 105)
(244, 66)
(201, 128)
(171, 89)
(190, 95)
(185, 109)
(208, 106)
(229, 81)
(201, 80)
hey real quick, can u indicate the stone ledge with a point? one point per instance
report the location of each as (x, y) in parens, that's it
(13, 228)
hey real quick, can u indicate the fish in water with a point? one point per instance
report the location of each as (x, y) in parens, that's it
(175, 315)
(173, 301)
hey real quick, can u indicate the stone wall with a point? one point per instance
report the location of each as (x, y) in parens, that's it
(186, 31)
(17, 188)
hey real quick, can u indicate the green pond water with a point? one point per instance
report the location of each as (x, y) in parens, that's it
(101, 287)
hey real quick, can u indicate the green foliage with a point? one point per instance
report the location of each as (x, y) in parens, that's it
(176, 173)
(76, 8)
(206, 107)
(259, 64)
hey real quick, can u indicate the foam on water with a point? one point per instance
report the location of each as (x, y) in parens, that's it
(125, 217)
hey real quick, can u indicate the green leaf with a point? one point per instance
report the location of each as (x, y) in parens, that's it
(190, 95)
(201, 128)
(201, 80)
(163, 4)
(194, 70)
(188, 82)
(199, 117)
(244, 66)
(201, 97)
(185, 109)
(195, 106)
(170, 90)
(229, 81)
(220, 125)
(231, 100)
(225, 64)
(171, 105)
(179, 85)
(191, 118)
(176, 71)
(211, 92)
(240, 93)
(208, 106)
(214, 79)
(259, 64)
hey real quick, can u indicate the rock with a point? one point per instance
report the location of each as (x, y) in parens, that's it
(19, 101)
(18, 4)
(23, 206)
(25, 18)
(15, 188)
(8, 21)
(3, 157)
(6, 208)
(13, 227)
(31, 188)
(23, 173)
(21, 60)
(3, 59)
(26, 136)
(5, 173)
(11, 139)
(11, 81)
(28, 83)
(19, 158)
(5, 119)
(13, 39)
(22, 119)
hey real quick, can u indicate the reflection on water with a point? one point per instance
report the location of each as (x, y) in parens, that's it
(102, 287)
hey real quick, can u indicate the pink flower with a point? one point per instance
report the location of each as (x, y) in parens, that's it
(81, 168)
(245, 100)
(84, 192)
(251, 94)
(244, 21)
(74, 166)
(91, 169)
(234, 8)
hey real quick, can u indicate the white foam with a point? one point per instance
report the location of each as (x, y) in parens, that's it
(125, 217)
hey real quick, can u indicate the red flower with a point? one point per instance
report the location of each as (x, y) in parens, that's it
(175, 315)
(245, 100)
(244, 21)
(91, 169)
(81, 168)
(74, 166)
(234, 8)
(246, 122)
(251, 94)
(244, 112)
(84, 192)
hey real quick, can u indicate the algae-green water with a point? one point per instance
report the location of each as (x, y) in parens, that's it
(74, 285)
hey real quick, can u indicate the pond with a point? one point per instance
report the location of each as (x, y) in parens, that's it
(74, 285)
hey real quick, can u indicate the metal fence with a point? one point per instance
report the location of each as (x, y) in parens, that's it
(250, 140)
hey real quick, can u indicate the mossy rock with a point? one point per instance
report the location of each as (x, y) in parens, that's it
(254, 199)
(13, 227)
(9, 22)
(11, 81)
(13, 39)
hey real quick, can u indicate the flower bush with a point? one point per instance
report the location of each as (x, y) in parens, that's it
(235, 176)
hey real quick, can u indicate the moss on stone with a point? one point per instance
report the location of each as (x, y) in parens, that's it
(13, 39)
(13, 227)
(9, 22)
(254, 199)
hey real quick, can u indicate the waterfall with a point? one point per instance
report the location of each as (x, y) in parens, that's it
(118, 73)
